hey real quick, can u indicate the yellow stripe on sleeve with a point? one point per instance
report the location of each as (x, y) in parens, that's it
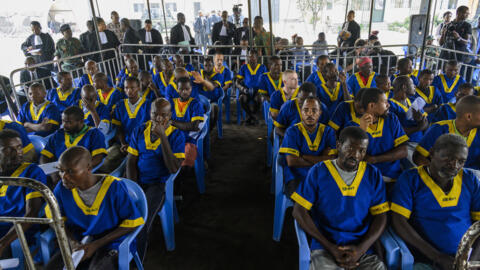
(400, 140)
(201, 118)
(278, 124)
(300, 200)
(422, 151)
(333, 125)
(475, 215)
(33, 195)
(400, 210)
(274, 110)
(179, 155)
(27, 148)
(291, 151)
(50, 121)
(261, 91)
(128, 223)
(379, 209)
(47, 153)
(99, 151)
(132, 151)
(116, 122)
(333, 152)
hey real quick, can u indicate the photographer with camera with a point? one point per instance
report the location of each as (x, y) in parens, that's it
(456, 35)
(236, 18)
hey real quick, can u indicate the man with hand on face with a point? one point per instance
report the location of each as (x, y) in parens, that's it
(95, 113)
(434, 205)
(347, 111)
(39, 116)
(156, 150)
(333, 91)
(91, 69)
(364, 78)
(65, 95)
(387, 138)
(288, 92)
(148, 90)
(347, 198)
(271, 82)
(95, 205)
(17, 201)
(306, 144)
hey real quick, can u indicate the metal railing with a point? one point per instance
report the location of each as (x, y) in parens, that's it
(56, 221)
(464, 248)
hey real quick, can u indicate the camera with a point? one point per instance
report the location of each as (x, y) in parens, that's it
(237, 9)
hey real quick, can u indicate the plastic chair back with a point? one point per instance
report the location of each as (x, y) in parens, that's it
(38, 143)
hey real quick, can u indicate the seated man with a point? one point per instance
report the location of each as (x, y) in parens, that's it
(16, 201)
(180, 63)
(164, 76)
(271, 81)
(65, 95)
(210, 87)
(187, 115)
(434, 205)
(447, 111)
(39, 116)
(405, 68)
(364, 78)
(465, 124)
(74, 132)
(156, 150)
(290, 112)
(347, 111)
(157, 66)
(348, 198)
(333, 91)
(288, 92)
(306, 144)
(449, 81)
(37, 74)
(387, 143)
(224, 72)
(132, 70)
(98, 206)
(430, 94)
(29, 154)
(318, 78)
(95, 113)
(148, 90)
(198, 82)
(248, 79)
(384, 84)
(91, 69)
(108, 96)
(130, 113)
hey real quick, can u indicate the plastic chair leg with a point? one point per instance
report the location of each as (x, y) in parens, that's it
(279, 216)
(137, 260)
(166, 216)
(200, 169)
(207, 146)
(176, 217)
(227, 105)
(47, 244)
(239, 112)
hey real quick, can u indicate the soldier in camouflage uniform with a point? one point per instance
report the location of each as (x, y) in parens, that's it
(69, 46)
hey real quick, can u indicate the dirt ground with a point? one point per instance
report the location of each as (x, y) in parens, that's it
(231, 225)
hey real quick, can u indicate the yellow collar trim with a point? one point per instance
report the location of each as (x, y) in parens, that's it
(145, 94)
(405, 108)
(93, 210)
(346, 190)
(179, 112)
(445, 85)
(35, 117)
(279, 85)
(471, 134)
(90, 79)
(253, 72)
(75, 142)
(134, 113)
(428, 99)
(16, 173)
(149, 145)
(332, 95)
(105, 100)
(352, 112)
(318, 137)
(453, 106)
(294, 95)
(360, 81)
(444, 200)
(320, 76)
(162, 77)
(63, 96)
(375, 133)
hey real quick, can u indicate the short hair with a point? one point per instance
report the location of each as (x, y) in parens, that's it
(351, 11)
(322, 57)
(329, 65)
(113, 12)
(148, 21)
(180, 14)
(452, 62)
(6, 134)
(100, 20)
(352, 132)
(358, 96)
(74, 154)
(132, 79)
(403, 61)
(102, 76)
(371, 95)
(35, 23)
(37, 85)
(426, 72)
(446, 13)
(76, 112)
(258, 18)
(314, 99)
(381, 77)
(274, 58)
(377, 43)
(360, 42)
(401, 81)
(449, 140)
(308, 87)
(184, 80)
(462, 9)
(467, 104)
(62, 73)
(208, 59)
(125, 21)
(64, 28)
(288, 71)
(253, 51)
(466, 86)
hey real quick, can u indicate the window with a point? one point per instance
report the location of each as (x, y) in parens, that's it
(171, 6)
(452, 4)
(403, 3)
(138, 7)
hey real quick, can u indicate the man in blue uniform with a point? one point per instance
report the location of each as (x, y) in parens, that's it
(449, 81)
(334, 90)
(347, 111)
(29, 153)
(164, 77)
(65, 95)
(364, 78)
(108, 96)
(430, 94)
(347, 199)
(91, 69)
(447, 111)
(405, 68)
(288, 92)
(271, 81)
(95, 113)
(318, 77)
(148, 90)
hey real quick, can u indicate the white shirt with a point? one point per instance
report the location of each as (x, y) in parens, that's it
(148, 36)
(103, 37)
(223, 32)
(243, 54)
(37, 108)
(186, 36)
(37, 40)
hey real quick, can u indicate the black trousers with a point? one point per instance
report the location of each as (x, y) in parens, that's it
(104, 258)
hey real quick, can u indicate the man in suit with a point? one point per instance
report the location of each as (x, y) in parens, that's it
(180, 32)
(200, 27)
(350, 31)
(149, 35)
(242, 32)
(130, 36)
(39, 45)
(30, 75)
(223, 31)
(87, 38)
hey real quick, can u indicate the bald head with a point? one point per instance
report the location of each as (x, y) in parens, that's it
(180, 72)
(89, 94)
(468, 105)
(132, 66)
(73, 156)
(91, 67)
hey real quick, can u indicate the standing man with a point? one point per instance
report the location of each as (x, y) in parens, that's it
(149, 35)
(223, 31)
(456, 36)
(350, 31)
(447, 18)
(130, 36)
(108, 40)
(68, 46)
(200, 27)
(39, 45)
(242, 32)
(88, 40)
(180, 33)
(115, 26)
(262, 37)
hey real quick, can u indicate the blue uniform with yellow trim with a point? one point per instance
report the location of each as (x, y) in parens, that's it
(400, 111)
(148, 94)
(102, 111)
(342, 213)
(120, 75)
(48, 110)
(225, 76)
(277, 99)
(87, 79)
(440, 219)
(93, 139)
(317, 79)
(434, 97)
(344, 113)
(63, 100)
(172, 90)
(13, 199)
(446, 112)
(151, 165)
(216, 93)
(250, 76)
(27, 144)
(331, 99)
(447, 87)
(298, 141)
(193, 111)
(111, 209)
(114, 96)
(154, 71)
(268, 86)
(121, 81)
(161, 82)
(445, 127)
(290, 114)
(412, 76)
(127, 120)
(355, 83)
(387, 135)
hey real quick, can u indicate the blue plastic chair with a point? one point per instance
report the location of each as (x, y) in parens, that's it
(119, 171)
(38, 143)
(220, 115)
(392, 249)
(208, 112)
(241, 115)
(199, 161)
(269, 122)
(275, 149)
(406, 261)
(281, 200)
(76, 81)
